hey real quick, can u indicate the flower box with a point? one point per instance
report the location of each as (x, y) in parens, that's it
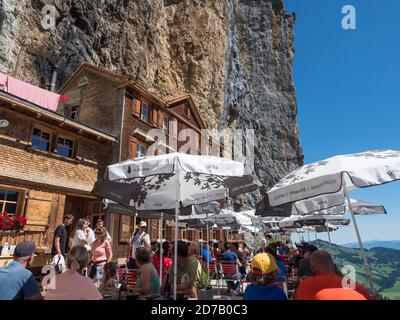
(8, 223)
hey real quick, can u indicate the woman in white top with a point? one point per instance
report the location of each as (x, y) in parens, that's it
(80, 235)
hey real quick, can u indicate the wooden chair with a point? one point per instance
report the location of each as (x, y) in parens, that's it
(229, 269)
(132, 277)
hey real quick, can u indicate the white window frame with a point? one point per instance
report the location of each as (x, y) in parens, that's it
(41, 132)
(147, 112)
(139, 151)
(4, 202)
(72, 148)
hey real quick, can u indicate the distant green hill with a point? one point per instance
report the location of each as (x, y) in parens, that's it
(393, 244)
(384, 262)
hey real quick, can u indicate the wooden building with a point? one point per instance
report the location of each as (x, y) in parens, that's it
(48, 166)
(122, 107)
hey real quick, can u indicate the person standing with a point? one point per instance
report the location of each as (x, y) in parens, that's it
(100, 224)
(100, 255)
(140, 240)
(90, 232)
(60, 240)
(80, 236)
(16, 282)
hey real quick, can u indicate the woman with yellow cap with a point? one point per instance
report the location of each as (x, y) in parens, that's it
(264, 270)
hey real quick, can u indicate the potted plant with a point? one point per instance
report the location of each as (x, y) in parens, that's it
(203, 285)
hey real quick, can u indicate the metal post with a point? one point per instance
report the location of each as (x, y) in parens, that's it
(366, 265)
(178, 195)
(161, 249)
(329, 238)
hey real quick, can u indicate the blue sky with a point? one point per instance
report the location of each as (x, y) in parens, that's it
(348, 85)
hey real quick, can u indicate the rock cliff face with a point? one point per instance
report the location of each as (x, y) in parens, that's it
(233, 56)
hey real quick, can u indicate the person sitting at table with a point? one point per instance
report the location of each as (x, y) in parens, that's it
(166, 261)
(16, 281)
(294, 258)
(230, 257)
(324, 277)
(262, 278)
(148, 282)
(71, 284)
(215, 251)
(281, 276)
(241, 257)
(188, 273)
(205, 253)
(305, 270)
(109, 283)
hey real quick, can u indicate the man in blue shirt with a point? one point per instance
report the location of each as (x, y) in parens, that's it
(230, 257)
(205, 253)
(17, 283)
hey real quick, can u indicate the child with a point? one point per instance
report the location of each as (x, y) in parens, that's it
(110, 279)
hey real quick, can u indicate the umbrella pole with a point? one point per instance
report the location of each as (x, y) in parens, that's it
(177, 173)
(366, 265)
(208, 260)
(329, 238)
(161, 249)
(308, 236)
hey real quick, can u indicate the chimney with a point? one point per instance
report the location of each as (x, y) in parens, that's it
(53, 81)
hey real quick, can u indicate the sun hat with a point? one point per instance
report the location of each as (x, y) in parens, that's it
(263, 263)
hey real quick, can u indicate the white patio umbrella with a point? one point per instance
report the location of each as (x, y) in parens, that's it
(337, 175)
(171, 181)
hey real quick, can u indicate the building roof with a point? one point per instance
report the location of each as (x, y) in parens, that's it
(172, 102)
(17, 102)
(122, 81)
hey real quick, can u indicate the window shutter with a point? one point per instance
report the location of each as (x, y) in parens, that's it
(161, 120)
(133, 149)
(155, 117)
(175, 128)
(38, 210)
(136, 107)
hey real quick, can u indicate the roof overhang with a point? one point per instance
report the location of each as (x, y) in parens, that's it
(41, 112)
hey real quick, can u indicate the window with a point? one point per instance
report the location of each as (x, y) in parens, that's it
(166, 125)
(141, 151)
(8, 201)
(74, 113)
(186, 112)
(40, 140)
(65, 147)
(83, 81)
(184, 234)
(144, 112)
